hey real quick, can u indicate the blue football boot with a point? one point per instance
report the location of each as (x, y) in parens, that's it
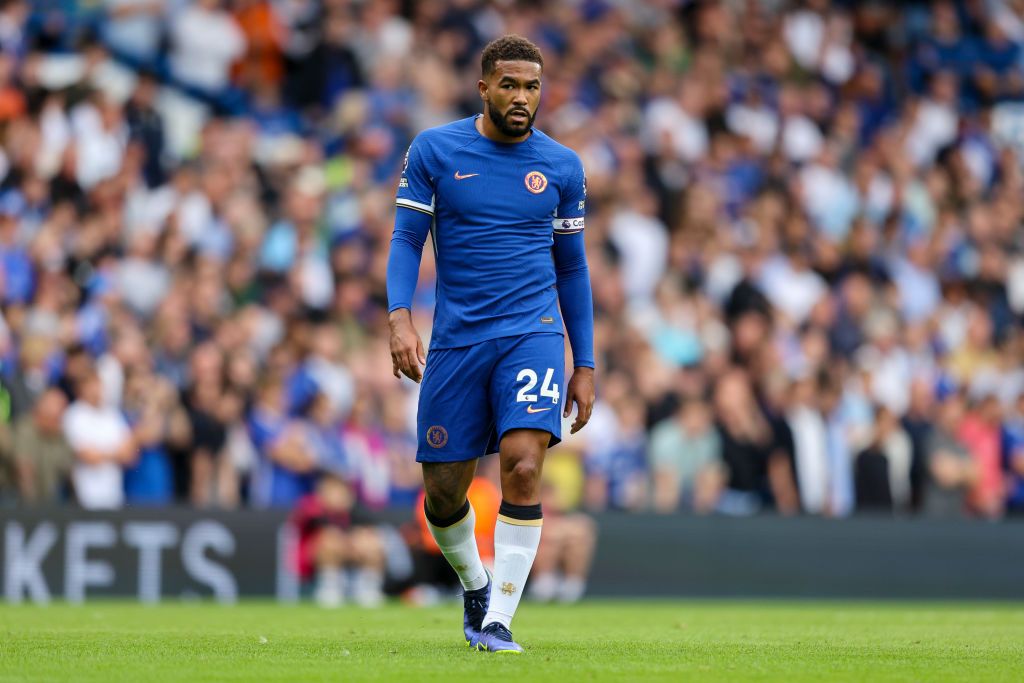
(496, 638)
(474, 606)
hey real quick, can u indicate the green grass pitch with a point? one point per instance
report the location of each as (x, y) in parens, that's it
(595, 641)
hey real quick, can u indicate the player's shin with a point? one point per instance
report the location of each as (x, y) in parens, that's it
(516, 537)
(455, 537)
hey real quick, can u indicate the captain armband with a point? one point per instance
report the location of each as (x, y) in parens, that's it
(567, 226)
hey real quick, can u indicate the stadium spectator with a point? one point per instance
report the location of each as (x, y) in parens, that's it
(686, 457)
(918, 426)
(405, 477)
(286, 461)
(979, 431)
(206, 475)
(134, 29)
(882, 470)
(26, 383)
(562, 565)
(103, 445)
(814, 468)
(346, 561)
(324, 435)
(159, 425)
(951, 471)
(845, 414)
(365, 439)
(1013, 457)
(757, 456)
(263, 62)
(206, 40)
(616, 463)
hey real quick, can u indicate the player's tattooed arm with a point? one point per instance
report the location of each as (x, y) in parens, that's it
(407, 355)
(580, 392)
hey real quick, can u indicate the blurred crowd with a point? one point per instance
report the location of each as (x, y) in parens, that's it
(803, 235)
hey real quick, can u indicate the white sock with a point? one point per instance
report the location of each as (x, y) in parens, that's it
(515, 546)
(458, 545)
(330, 589)
(543, 587)
(367, 587)
(572, 589)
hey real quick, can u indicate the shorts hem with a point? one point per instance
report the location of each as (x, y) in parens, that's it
(552, 442)
(425, 456)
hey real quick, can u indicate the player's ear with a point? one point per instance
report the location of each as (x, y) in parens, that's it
(481, 85)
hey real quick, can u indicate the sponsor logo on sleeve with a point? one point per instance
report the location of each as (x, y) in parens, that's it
(567, 224)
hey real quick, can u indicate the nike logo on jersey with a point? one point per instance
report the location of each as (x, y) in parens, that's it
(459, 176)
(531, 409)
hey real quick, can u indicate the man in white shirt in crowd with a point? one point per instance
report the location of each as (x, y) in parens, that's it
(133, 27)
(103, 446)
(206, 40)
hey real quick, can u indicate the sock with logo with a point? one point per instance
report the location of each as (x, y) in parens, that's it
(454, 536)
(516, 537)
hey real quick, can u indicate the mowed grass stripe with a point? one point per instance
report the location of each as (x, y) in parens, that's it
(595, 641)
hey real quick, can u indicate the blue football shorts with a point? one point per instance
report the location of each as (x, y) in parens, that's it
(470, 396)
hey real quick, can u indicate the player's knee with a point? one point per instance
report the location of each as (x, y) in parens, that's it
(524, 476)
(367, 547)
(553, 535)
(582, 530)
(445, 485)
(330, 546)
(583, 525)
(444, 504)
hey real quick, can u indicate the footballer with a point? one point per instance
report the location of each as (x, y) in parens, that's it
(504, 205)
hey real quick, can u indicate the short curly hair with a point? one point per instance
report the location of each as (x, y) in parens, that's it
(506, 49)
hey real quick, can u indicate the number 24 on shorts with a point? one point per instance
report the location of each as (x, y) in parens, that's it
(547, 389)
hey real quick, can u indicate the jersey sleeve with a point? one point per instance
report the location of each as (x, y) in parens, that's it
(572, 204)
(416, 186)
(571, 273)
(413, 218)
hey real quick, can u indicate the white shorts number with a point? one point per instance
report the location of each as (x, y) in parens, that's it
(547, 389)
(531, 381)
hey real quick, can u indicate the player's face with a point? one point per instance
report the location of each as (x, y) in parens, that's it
(511, 96)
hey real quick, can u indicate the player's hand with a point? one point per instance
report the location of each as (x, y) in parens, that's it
(580, 392)
(407, 354)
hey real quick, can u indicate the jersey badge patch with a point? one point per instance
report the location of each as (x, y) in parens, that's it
(536, 182)
(437, 436)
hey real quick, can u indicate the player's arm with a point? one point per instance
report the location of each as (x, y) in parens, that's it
(413, 217)
(411, 228)
(575, 299)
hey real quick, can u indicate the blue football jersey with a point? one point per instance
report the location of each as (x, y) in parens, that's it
(495, 208)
